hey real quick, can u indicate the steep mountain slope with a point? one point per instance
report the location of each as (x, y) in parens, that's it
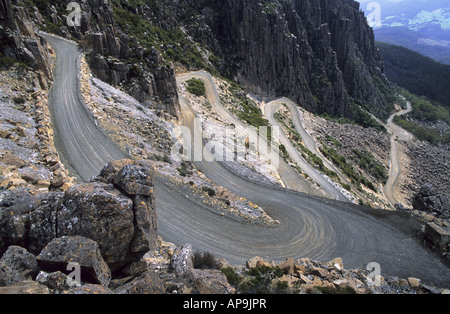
(417, 73)
(115, 56)
(319, 53)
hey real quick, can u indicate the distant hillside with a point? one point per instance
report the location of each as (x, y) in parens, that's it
(418, 74)
(437, 50)
(419, 25)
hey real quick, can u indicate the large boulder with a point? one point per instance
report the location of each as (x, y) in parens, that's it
(42, 221)
(99, 212)
(429, 200)
(20, 261)
(109, 171)
(9, 276)
(438, 235)
(146, 283)
(181, 262)
(14, 210)
(57, 255)
(17, 265)
(210, 281)
(135, 180)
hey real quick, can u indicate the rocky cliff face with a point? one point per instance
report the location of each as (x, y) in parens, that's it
(19, 41)
(114, 56)
(320, 53)
(109, 52)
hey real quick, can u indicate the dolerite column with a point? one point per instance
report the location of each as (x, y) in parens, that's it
(138, 182)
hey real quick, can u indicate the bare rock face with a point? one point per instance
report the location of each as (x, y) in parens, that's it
(17, 265)
(135, 180)
(85, 252)
(14, 211)
(109, 51)
(181, 262)
(429, 200)
(19, 41)
(99, 212)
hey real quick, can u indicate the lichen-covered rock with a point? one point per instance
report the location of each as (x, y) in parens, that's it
(210, 281)
(9, 276)
(109, 171)
(99, 212)
(42, 221)
(85, 252)
(181, 261)
(14, 210)
(147, 283)
(135, 180)
(20, 261)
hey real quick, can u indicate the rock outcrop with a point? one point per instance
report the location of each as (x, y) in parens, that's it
(185, 279)
(100, 230)
(104, 226)
(100, 237)
(20, 42)
(60, 252)
(429, 200)
(434, 209)
(118, 58)
(119, 218)
(309, 276)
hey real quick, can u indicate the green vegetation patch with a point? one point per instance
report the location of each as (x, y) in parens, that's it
(357, 116)
(373, 167)
(6, 62)
(257, 280)
(424, 110)
(347, 168)
(270, 8)
(423, 133)
(196, 87)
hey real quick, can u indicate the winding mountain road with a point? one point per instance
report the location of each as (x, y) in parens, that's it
(270, 109)
(290, 177)
(314, 227)
(397, 134)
